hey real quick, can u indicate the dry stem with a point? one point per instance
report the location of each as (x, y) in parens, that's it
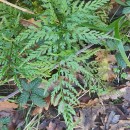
(15, 6)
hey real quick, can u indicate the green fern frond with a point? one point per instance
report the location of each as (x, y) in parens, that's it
(4, 120)
(51, 51)
(32, 92)
(40, 92)
(7, 11)
(23, 98)
(35, 83)
(37, 100)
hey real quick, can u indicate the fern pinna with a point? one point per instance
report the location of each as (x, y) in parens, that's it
(63, 28)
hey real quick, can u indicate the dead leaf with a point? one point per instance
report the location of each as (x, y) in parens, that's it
(121, 125)
(127, 94)
(128, 84)
(29, 22)
(7, 113)
(52, 126)
(85, 99)
(43, 125)
(115, 7)
(60, 126)
(5, 105)
(48, 102)
(109, 120)
(37, 110)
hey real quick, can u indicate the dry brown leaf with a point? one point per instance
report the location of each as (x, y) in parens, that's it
(93, 102)
(5, 105)
(29, 22)
(48, 102)
(88, 116)
(37, 110)
(90, 103)
(52, 126)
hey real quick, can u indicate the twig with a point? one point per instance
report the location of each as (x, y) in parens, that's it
(9, 96)
(84, 49)
(17, 7)
(83, 94)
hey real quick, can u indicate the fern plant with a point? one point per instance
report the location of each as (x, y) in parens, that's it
(32, 92)
(3, 123)
(53, 51)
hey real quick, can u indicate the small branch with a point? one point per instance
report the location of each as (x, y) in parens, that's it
(9, 96)
(83, 94)
(15, 6)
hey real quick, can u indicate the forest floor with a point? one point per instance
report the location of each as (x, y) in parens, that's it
(106, 112)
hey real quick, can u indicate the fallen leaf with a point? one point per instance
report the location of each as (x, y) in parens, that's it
(43, 125)
(7, 113)
(128, 84)
(127, 94)
(37, 110)
(29, 22)
(60, 126)
(109, 120)
(85, 99)
(52, 126)
(121, 125)
(115, 119)
(48, 102)
(5, 105)
(17, 120)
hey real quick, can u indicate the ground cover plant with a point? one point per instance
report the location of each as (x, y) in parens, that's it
(51, 54)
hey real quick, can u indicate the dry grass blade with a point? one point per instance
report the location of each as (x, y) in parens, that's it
(15, 6)
(9, 96)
